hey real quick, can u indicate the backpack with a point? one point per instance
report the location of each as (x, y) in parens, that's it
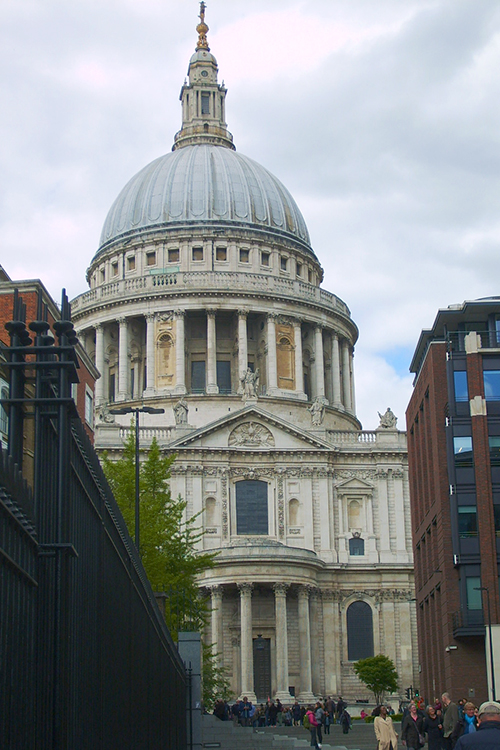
(306, 723)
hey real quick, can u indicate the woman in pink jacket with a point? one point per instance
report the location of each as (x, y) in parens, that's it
(313, 723)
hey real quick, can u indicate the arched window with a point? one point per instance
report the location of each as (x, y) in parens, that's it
(251, 507)
(359, 631)
(285, 363)
(354, 511)
(293, 512)
(357, 546)
(210, 511)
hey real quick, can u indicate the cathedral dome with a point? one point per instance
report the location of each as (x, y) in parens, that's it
(204, 183)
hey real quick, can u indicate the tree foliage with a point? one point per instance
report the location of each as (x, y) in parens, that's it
(215, 683)
(168, 539)
(379, 675)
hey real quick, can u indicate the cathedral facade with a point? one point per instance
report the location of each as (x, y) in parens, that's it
(205, 300)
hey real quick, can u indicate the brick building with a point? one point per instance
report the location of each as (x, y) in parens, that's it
(453, 422)
(83, 392)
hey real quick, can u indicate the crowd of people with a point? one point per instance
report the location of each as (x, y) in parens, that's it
(444, 725)
(317, 718)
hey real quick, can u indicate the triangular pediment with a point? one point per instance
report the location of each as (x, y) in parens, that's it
(252, 429)
(354, 484)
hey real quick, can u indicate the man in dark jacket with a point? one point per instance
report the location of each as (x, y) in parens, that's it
(487, 736)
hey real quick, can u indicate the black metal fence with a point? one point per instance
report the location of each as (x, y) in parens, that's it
(86, 660)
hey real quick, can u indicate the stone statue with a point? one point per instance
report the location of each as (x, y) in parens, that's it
(388, 420)
(250, 383)
(181, 412)
(105, 415)
(317, 410)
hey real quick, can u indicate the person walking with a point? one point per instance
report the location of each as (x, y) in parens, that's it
(467, 723)
(487, 736)
(412, 729)
(387, 738)
(450, 719)
(319, 714)
(433, 727)
(313, 727)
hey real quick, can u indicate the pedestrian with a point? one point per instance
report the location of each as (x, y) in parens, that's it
(296, 714)
(387, 738)
(467, 724)
(433, 727)
(487, 736)
(313, 727)
(450, 719)
(245, 708)
(345, 720)
(412, 729)
(319, 714)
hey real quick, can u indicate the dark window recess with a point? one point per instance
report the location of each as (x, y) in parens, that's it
(197, 253)
(357, 547)
(173, 256)
(111, 387)
(359, 631)
(462, 448)
(461, 387)
(132, 382)
(224, 377)
(205, 104)
(496, 513)
(492, 385)
(494, 450)
(467, 521)
(221, 253)
(262, 668)
(198, 377)
(251, 507)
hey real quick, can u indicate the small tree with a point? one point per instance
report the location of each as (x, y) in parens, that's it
(215, 685)
(379, 675)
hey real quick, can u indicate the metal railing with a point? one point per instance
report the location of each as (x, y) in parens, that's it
(86, 659)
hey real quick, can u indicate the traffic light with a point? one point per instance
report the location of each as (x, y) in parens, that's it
(417, 694)
(408, 693)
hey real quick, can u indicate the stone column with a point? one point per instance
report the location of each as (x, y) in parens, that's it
(150, 353)
(319, 363)
(99, 363)
(242, 347)
(385, 554)
(180, 355)
(337, 399)
(123, 361)
(346, 376)
(306, 694)
(282, 693)
(246, 641)
(272, 369)
(216, 607)
(330, 640)
(351, 374)
(211, 353)
(299, 367)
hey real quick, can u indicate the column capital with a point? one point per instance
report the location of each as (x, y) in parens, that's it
(297, 322)
(272, 316)
(242, 313)
(211, 312)
(304, 591)
(150, 317)
(216, 590)
(245, 589)
(280, 589)
(99, 326)
(122, 321)
(179, 313)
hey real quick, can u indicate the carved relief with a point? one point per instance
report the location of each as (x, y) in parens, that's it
(251, 434)
(281, 506)
(225, 522)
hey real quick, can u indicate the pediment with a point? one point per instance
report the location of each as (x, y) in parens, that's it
(354, 484)
(252, 429)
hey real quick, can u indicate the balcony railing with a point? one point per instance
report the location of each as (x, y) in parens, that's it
(200, 281)
(467, 622)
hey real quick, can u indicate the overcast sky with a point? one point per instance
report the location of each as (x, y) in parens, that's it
(382, 117)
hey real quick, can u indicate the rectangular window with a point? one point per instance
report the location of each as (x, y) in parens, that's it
(198, 377)
(131, 263)
(467, 521)
(496, 513)
(461, 388)
(111, 387)
(299, 269)
(309, 276)
(74, 392)
(494, 450)
(473, 595)
(265, 259)
(462, 448)
(224, 376)
(205, 104)
(151, 258)
(89, 408)
(132, 382)
(492, 385)
(114, 268)
(284, 263)
(103, 275)
(221, 253)
(197, 253)
(173, 256)
(251, 507)
(244, 256)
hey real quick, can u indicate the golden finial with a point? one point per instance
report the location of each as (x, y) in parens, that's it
(202, 29)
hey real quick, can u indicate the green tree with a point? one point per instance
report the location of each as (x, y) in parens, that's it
(215, 683)
(168, 541)
(379, 675)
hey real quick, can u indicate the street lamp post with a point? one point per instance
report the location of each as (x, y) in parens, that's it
(492, 666)
(137, 410)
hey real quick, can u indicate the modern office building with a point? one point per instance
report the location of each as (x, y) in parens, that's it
(205, 300)
(453, 423)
